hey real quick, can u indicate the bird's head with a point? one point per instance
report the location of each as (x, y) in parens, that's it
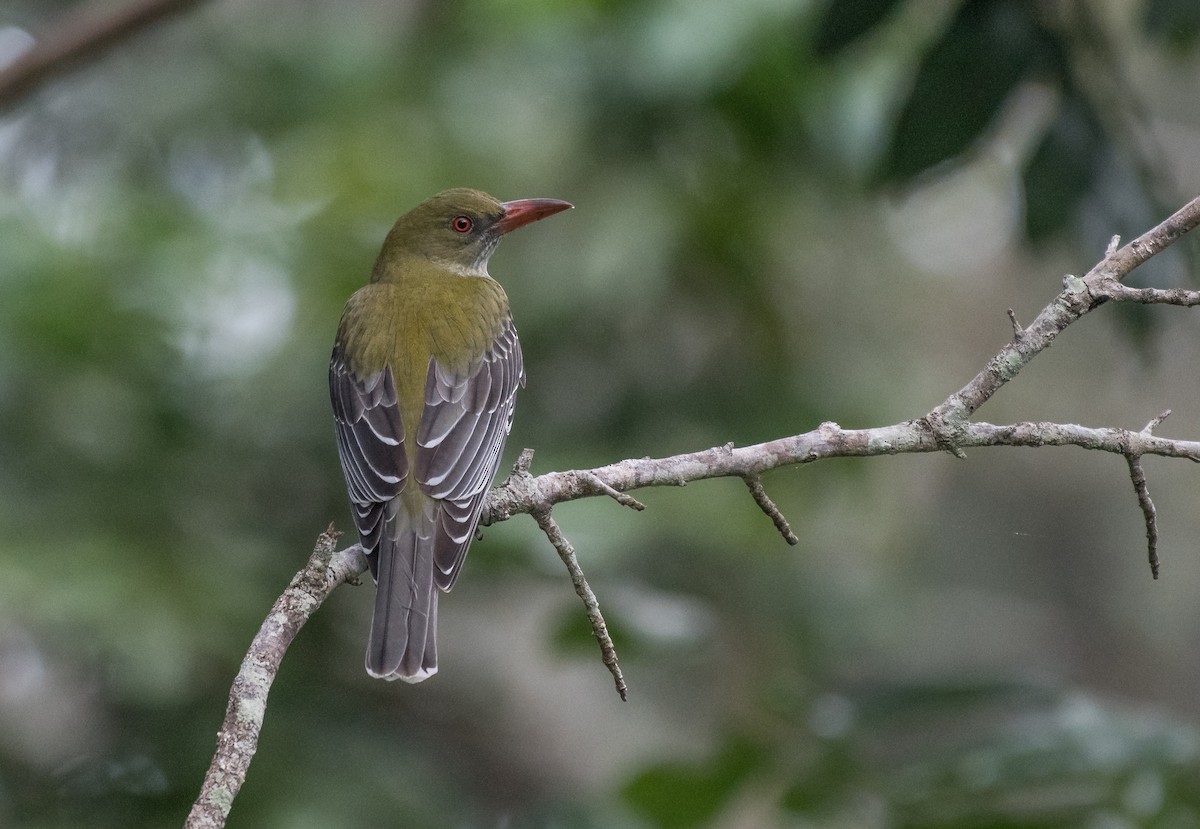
(460, 228)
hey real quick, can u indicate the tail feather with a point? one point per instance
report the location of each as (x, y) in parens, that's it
(403, 643)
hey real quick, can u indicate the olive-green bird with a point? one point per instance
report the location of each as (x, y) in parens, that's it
(423, 376)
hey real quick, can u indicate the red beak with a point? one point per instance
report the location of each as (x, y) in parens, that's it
(523, 211)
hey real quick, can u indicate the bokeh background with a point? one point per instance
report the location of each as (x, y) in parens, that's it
(787, 211)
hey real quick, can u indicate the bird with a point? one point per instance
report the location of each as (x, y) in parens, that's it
(423, 378)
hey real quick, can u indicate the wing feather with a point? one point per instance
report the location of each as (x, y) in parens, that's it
(460, 440)
(370, 438)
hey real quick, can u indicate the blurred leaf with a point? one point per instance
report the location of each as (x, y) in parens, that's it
(1062, 171)
(677, 796)
(1006, 755)
(763, 107)
(1174, 22)
(844, 21)
(989, 47)
(572, 635)
(823, 786)
(910, 706)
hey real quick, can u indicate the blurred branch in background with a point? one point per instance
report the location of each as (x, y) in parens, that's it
(944, 428)
(80, 35)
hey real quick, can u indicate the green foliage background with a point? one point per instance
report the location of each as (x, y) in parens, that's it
(787, 212)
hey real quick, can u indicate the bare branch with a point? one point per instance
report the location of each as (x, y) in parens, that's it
(238, 738)
(1077, 298)
(827, 441)
(566, 552)
(1150, 296)
(80, 35)
(1120, 264)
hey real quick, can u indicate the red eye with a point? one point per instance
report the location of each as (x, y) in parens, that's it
(461, 224)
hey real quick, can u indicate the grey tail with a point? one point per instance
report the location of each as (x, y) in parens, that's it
(403, 643)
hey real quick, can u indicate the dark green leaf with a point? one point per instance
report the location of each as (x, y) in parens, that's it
(1175, 22)
(677, 796)
(989, 47)
(824, 784)
(844, 22)
(572, 634)
(1062, 170)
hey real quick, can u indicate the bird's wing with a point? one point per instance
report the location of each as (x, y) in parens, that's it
(370, 438)
(459, 442)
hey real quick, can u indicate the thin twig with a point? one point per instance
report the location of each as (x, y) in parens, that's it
(566, 552)
(1016, 326)
(755, 485)
(523, 462)
(1138, 476)
(623, 498)
(1149, 428)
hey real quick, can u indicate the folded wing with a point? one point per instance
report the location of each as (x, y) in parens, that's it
(460, 439)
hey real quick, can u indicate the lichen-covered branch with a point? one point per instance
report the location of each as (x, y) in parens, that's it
(829, 440)
(1078, 297)
(238, 738)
